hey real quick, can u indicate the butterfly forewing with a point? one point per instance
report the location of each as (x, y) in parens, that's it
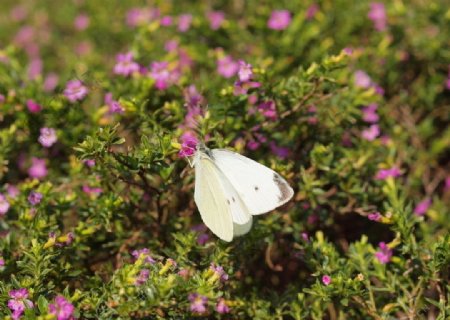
(260, 188)
(220, 205)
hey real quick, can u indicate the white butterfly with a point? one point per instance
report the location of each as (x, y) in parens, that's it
(231, 188)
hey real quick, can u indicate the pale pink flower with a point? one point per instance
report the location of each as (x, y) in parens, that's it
(125, 65)
(378, 15)
(38, 168)
(184, 22)
(4, 205)
(75, 90)
(279, 20)
(326, 280)
(227, 67)
(47, 137)
(422, 207)
(384, 254)
(81, 22)
(216, 19)
(371, 133)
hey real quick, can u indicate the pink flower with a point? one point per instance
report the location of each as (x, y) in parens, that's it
(268, 110)
(38, 168)
(362, 79)
(243, 87)
(384, 254)
(216, 19)
(2, 98)
(89, 162)
(326, 280)
(370, 113)
(279, 20)
(18, 13)
(81, 22)
(47, 137)
(447, 184)
(75, 90)
(12, 190)
(142, 277)
(35, 68)
(202, 239)
(378, 16)
(188, 144)
(371, 133)
(50, 82)
(62, 308)
(143, 254)
(166, 21)
(91, 190)
(198, 303)
(2, 261)
(114, 106)
(245, 71)
(140, 16)
(311, 11)
(35, 198)
(422, 207)
(125, 65)
(383, 174)
(163, 77)
(171, 45)
(33, 107)
(184, 22)
(219, 272)
(18, 302)
(227, 67)
(374, 216)
(222, 307)
(4, 205)
(192, 98)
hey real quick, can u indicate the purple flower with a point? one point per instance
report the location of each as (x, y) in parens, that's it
(192, 98)
(33, 107)
(89, 162)
(371, 133)
(218, 272)
(163, 77)
(184, 22)
(18, 302)
(47, 137)
(125, 65)
(171, 45)
(326, 280)
(383, 174)
(114, 106)
(38, 169)
(143, 254)
(222, 307)
(2, 261)
(311, 11)
(75, 90)
(245, 71)
(227, 67)
(268, 110)
(422, 207)
(91, 190)
(370, 113)
(384, 254)
(281, 152)
(374, 216)
(279, 20)
(198, 303)
(142, 277)
(62, 308)
(35, 198)
(378, 16)
(188, 144)
(447, 184)
(50, 82)
(202, 239)
(166, 21)
(4, 205)
(362, 79)
(216, 19)
(81, 22)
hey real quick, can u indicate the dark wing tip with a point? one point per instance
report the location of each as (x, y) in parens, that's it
(286, 191)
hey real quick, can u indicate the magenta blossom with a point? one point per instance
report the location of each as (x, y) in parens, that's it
(371, 133)
(91, 190)
(89, 162)
(311, 11)
(18, 302)
(184, 22)
(370, 113)
(2, 261)
(163, 76)
(141, 16)
(227, 67)
(38, 168)
(245, 71)
(222, 307)
(171, 45)
(384, 254)
(4, 205)
(268, 110)
(192, 97)
(35, 68)
(326, 280)
(47, 137)
(33, 107)
(114, 106)
(12, 190)
(279, 20)
(281, 152)
(125, 65)
(50, 82)
(81, 22)
(374, 216)
(422, 207)
(198, 303)
(216, 19)
(219, 272)
(166, 21)
(447, 184)
(383, 174)
(35, 198)
(362, 79)
(243, 87)
(62, 308)
(142, 277)
(143, 254)
(2, 98)
(378, 16)
(189, 144)
(75, 90)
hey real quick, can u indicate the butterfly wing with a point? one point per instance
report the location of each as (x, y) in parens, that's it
(220, 206)
(260, 188)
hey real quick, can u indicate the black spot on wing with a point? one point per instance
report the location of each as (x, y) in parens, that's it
(285, 190)
(228, 201)
(256, 188)
(232, 198)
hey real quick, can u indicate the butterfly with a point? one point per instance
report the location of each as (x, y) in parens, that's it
(230, 189)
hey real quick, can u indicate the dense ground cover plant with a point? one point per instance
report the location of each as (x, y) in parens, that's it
(99, 106)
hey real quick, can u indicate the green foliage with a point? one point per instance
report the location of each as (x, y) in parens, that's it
(116, 182)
